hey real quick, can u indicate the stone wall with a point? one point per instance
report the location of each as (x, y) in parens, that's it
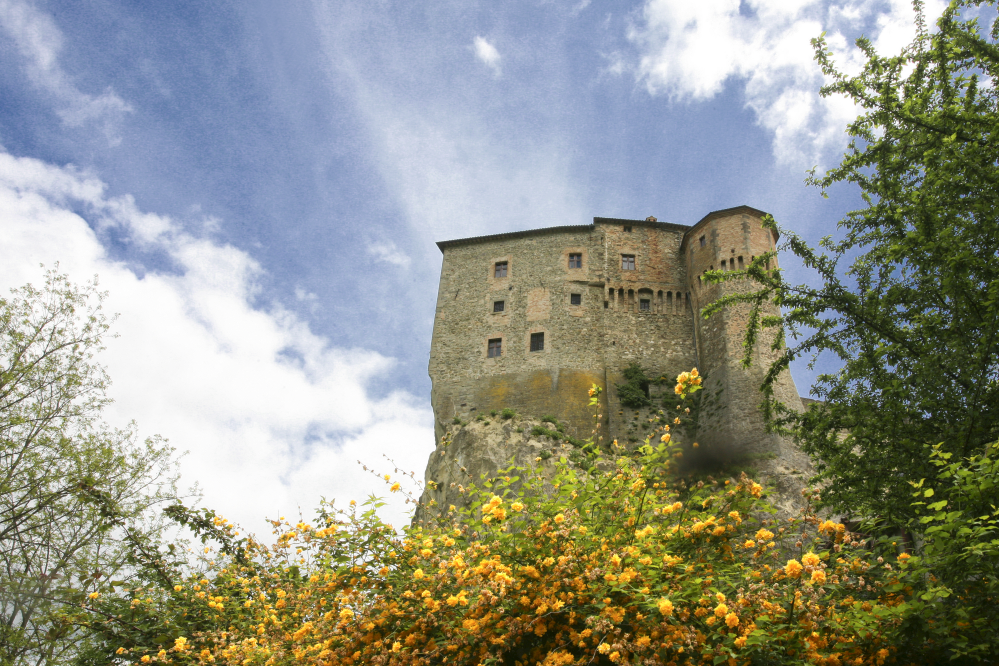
(632, 300)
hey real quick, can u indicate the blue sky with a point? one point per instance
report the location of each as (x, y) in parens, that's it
(259, 185)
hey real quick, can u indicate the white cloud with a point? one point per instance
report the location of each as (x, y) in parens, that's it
(454, 170)
(691, 50)
(39, 42)
(387, 252)
(273, 415)
(487, 53)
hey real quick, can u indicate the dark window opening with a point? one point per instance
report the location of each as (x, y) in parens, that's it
(742, 265)
(627, 229)
(498, 306)
(703, 242)
(500, 269)
(644, 305)
(575, 261)
(575, 299)
(606, 305)
(627, 262)
(495, 347)
(537, 342)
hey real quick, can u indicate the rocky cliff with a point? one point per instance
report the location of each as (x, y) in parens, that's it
(479, 450)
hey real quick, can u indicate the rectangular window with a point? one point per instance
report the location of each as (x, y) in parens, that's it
(703, 242)
(627, 262)
(575, 261)
(537, 341)
(575, 299)
(627, 229)
(495, 347)
(644, 304)
(500, 269)
(498, 306)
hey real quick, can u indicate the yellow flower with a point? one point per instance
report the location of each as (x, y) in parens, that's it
(818, 577)
(764, 534)
(793, 568)
(560, 518)
(395, 487)
(614, 656)
(94, 595)
(693, 373)
(734, 515)
(665, 438)
(810, 559)
(387, 477)
(178, 588)
(732, 620)
(666, 607)
(603, 648)
(418, 574)
(145, 659)
(582, 529)
(740, 641)
(346, 614)
(721, 610)
(756, 489)
(749, 544)
(517, 507)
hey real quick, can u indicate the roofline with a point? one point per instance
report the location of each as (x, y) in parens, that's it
(510, 235)
(550, 230)
(725, 212)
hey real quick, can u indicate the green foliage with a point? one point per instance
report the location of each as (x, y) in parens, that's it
(953, 611)
(541, 431)
(494, 413)
(634, 392)
(908, 299)
(77, 498)
(508, 414)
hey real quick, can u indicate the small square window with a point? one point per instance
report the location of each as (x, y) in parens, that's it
(627, 262)
(495, 347)
(537, 342)
(575, 299)
(627, 229)
(575, 260)
(703, 242)
(644, 304)
(498, 306)
(500, 269)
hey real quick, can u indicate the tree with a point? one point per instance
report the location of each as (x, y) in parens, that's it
(913, 318)
(76, 496)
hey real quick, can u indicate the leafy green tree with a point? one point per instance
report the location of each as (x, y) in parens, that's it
(76, 497)
(908, 293)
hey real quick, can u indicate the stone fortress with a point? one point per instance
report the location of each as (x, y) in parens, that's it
(530, 320)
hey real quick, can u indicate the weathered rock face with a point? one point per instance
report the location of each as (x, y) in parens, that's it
(480, 449)
(469, 453)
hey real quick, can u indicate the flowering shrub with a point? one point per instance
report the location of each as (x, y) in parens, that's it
(621, 566)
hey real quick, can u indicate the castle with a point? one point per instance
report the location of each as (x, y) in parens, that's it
(530, 320)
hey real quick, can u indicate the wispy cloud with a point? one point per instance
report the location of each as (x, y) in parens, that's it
(39, 42)
(690, 50)
(273, 415)
(387, 252)
(487, 53)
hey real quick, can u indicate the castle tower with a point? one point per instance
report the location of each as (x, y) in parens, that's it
(730, 240)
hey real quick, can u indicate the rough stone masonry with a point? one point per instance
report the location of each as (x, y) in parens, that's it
(530, 320)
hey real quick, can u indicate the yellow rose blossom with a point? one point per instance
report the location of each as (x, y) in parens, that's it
(732, 620)
(793, 568)
(721, 610)
(665, 438)
(764, 534)
(603, 648)
(517, 507)
(395, 487)
(560, 518)
(740, 641)
(810, 559)
(666, 607)
(818, 577)
(749, 544)
(145, 659)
